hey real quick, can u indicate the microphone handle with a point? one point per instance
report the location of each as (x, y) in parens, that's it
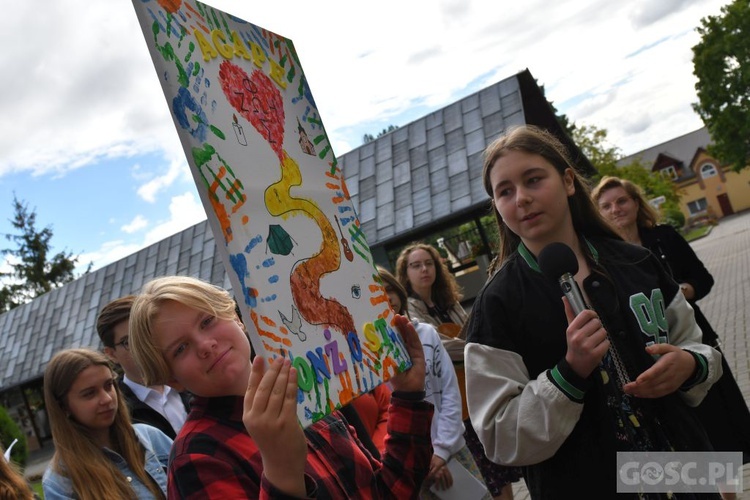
(573, 293)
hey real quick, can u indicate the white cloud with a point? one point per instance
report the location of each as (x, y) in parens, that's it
(184, 211)
(82, 86)
(139, 222)
(110, 251)
(178, 167)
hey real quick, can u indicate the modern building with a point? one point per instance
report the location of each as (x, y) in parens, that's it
(707, 189)
(417, 182)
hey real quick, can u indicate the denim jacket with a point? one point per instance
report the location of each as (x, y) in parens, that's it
(157, 445)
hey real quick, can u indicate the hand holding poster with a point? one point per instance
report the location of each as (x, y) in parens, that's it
(276, 201)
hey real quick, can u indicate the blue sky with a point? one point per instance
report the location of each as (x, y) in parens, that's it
(87, 140)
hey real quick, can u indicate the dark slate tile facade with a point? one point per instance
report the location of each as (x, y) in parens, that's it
(430, 171)
(66, 317)
(425, 173)
(430, 168)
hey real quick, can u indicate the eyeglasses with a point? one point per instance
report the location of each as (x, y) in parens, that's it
(124, 343)
(419, 265)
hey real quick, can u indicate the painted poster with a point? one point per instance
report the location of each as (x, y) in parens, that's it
(298, 262)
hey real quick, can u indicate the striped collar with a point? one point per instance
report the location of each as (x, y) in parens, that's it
(531, 259)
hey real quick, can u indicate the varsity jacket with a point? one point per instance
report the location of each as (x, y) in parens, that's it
(529, 407)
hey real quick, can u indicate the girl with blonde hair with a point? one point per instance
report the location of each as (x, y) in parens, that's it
(98, 452)
(723, 412)
(242, 438)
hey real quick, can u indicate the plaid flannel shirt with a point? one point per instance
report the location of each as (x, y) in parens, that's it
(213, 457)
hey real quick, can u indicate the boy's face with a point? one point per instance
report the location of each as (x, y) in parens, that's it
(121, 355)
(207, 356)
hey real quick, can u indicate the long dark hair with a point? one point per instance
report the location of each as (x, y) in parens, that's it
(445, 290)
(533, 140)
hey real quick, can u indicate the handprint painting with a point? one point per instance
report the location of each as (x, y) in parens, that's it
(276, 201)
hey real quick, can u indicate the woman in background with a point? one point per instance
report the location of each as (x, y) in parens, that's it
(723, 412)
(434, 295)
(98, 452)
(441, 388)
(435, 298)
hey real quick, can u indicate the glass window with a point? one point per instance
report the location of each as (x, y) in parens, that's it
(698, 206)
(708, 170)
(669, 172)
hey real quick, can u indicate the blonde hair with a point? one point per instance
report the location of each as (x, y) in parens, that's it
(12, 484)
(77, 456)
(192, 292)
(647, 215)
(532, 140)
(445, 290)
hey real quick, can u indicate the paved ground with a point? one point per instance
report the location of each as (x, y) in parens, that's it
(726, 254)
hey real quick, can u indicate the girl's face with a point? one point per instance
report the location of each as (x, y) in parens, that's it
(420, 269)
(618, 207)
(532, 198)
(393, 298)
(206, 355)
(92, 398)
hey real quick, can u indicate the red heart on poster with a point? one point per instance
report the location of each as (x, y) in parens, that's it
(258, 100)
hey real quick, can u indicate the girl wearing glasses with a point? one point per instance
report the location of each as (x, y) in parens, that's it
(434, 295)
(435, 299)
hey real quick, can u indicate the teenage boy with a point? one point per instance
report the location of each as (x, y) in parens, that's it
(242, 438)
(157, 405)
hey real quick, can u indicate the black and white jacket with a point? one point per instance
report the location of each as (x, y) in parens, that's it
(527, 405)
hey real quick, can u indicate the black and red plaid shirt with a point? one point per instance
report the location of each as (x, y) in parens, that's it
(213, 457)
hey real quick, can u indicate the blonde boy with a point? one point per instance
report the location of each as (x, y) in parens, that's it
(242, 438)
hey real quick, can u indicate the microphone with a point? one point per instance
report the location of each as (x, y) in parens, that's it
(558, 262)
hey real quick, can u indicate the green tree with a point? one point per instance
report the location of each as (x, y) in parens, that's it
(721, 62)
(594, 144)
(605, 158)
(369, 137)
(34, 270)
(10, 431)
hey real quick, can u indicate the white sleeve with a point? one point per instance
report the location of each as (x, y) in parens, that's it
(685, 333)
(448, 438)
(519, 421)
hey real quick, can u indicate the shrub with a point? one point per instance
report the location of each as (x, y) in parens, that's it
(9, 431)
(674, 216)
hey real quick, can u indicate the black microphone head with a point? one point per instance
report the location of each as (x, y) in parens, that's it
(557, 259)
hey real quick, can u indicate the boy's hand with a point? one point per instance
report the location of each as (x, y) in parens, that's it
(587, 340)
(439, 475)
(670, 371)
(412, 379)
(270, 417)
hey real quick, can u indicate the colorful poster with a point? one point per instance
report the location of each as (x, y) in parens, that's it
(276, 201)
